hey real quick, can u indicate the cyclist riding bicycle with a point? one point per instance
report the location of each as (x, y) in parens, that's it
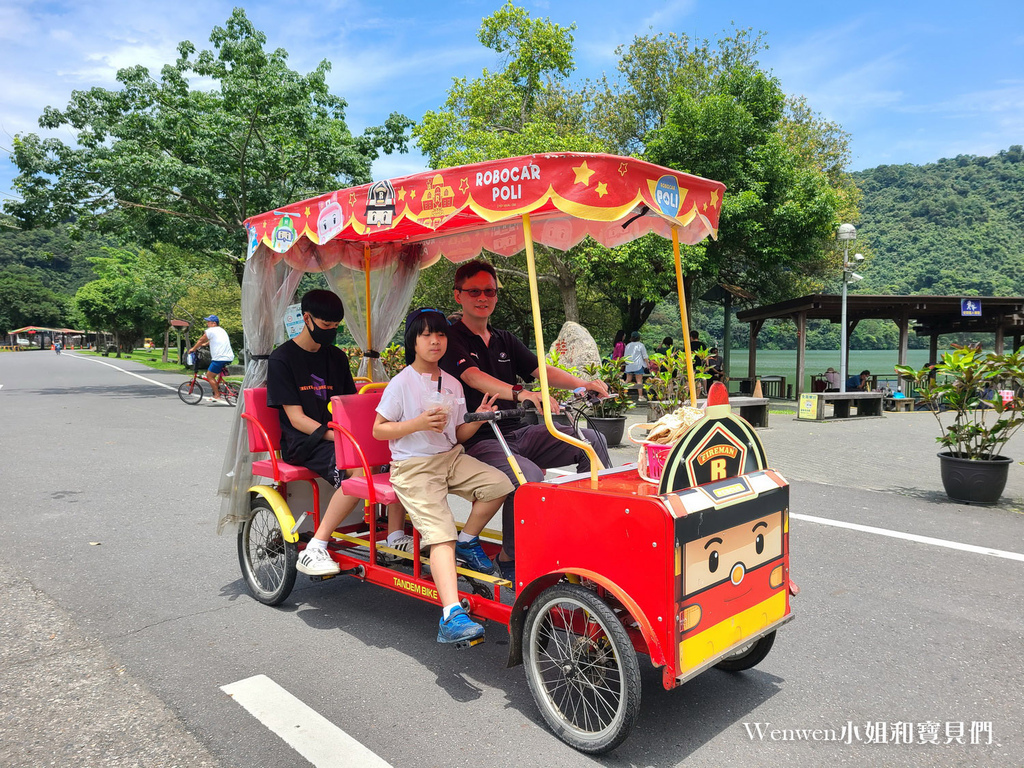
(216, 338)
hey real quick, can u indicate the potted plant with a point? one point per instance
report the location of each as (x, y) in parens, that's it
(966, 386)
(668, 384)
(609, 416)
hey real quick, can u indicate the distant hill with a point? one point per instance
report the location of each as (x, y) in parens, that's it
(50, 255)
(955, 227)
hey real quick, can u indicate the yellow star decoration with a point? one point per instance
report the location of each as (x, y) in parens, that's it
(307, 210)
(705, 206)
(464, 186)
(602, 189)
(714, 198)
(583, 174)
(413, 194)
(352, 198)
(623, 167)
(401, 193)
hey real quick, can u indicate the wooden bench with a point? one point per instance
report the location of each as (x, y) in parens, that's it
(899, 404)
(753, 409)
(844, 405)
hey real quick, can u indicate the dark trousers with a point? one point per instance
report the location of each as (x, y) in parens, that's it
(535, 450)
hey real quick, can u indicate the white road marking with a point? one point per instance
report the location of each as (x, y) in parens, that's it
(122, 370)
(912, 537)
(304, 729)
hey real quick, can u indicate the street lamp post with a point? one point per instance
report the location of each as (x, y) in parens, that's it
(847, 232)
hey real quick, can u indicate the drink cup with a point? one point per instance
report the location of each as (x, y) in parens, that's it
(434, 399)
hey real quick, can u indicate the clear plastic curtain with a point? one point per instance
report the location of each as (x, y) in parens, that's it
(268, 285)
(394, 272)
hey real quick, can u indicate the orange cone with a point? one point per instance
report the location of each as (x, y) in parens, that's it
(757, 388)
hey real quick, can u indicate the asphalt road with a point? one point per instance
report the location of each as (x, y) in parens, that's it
(123, 613)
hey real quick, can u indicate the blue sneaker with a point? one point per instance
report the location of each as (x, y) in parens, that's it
(459, 628)
(472, 554)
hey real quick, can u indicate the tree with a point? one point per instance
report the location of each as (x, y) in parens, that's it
(524, 108)
(731, 122)
(163, 161)
(120, 301)
(24, 300)
(780, 212)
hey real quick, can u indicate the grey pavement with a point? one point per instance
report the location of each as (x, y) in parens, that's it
(883, 629)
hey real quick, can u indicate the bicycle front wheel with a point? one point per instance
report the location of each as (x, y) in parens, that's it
(191, 392)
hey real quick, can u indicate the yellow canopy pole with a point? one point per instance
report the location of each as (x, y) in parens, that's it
(369, 322)
(682, 316)
(542, 370)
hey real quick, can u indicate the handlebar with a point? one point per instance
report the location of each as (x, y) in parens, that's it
(514, 413)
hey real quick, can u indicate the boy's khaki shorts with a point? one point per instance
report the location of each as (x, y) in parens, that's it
(423, 483)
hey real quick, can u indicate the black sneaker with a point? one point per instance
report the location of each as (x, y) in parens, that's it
(507, 569)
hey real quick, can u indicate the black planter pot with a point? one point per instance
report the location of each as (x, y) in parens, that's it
(974, 481)
(612, 427)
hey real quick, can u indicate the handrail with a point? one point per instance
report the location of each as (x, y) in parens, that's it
(371, 492)
(268, 442)
(595, 462)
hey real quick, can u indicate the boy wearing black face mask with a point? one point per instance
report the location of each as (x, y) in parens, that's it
(303, 374)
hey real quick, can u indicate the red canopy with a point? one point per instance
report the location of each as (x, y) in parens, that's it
(459, 211)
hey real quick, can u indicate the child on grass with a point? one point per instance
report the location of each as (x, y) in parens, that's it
(421, 416)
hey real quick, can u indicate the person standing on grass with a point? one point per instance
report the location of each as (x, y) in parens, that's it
(221, 354)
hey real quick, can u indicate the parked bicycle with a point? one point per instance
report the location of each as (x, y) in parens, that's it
(191, 391)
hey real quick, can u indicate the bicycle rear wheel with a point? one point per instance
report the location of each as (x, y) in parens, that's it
(190, 392)
(230, 392)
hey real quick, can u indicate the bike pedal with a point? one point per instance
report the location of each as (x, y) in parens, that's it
(464, 644)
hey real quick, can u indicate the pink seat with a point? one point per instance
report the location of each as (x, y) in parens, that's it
(356, 486)
(264, 430)
(356, 448)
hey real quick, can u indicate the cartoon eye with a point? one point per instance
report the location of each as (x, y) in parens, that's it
(759, 543)
(713, 561)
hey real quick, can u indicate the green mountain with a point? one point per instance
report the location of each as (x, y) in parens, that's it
(955, 227)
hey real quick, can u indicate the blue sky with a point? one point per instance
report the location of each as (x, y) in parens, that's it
(911, 81)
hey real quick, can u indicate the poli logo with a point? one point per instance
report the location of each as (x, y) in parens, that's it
(666, 195)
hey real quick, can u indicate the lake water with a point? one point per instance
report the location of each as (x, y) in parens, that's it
(782, 362)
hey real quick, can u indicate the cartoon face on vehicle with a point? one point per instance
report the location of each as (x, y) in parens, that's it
(727, 556)
(330, 220)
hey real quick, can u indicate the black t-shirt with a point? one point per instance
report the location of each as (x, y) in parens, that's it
(309, 379)
(506, 358)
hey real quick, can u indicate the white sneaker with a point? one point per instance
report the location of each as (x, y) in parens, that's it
(316, 562)
(404, 544)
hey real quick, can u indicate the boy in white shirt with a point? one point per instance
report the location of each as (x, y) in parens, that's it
(421, 415)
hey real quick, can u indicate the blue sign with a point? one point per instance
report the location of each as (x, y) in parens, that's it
(970, 308)
(666, 195)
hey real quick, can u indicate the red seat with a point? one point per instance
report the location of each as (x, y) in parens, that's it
(264, 429)
(356, 486)
(356, 447)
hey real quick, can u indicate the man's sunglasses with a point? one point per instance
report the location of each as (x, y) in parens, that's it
(490, 293)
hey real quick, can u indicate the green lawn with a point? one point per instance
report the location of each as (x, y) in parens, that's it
(152, 358)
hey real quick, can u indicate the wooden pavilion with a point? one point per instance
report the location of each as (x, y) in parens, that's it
(929, 316)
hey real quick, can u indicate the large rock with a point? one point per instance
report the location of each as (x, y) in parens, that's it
(576, 348)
